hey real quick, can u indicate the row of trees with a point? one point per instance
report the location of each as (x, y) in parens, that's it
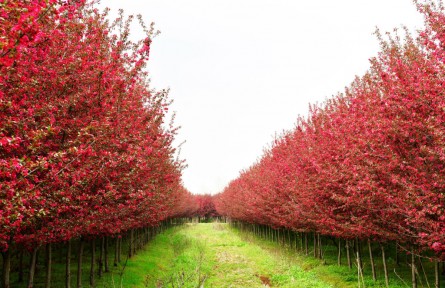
(368, 163)
(84, 150)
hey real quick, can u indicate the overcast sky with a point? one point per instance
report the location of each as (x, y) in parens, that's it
(242, 70)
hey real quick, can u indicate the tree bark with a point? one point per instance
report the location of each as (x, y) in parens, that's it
(6, 269)
(48, 265)
(119, 249)
(348, 254)
(385, 268)
(301, 241)
(436, 274)
(93, 261)
(32, 268)
(68, 265)
(359, 257)
(130, 246)
(374, 276)
(101, 258)
(315, 245)
(306, 244)
(79, 263)
(116, 251)
(413, 269)
(21, 253)
(289, 239)
(339, 252)
(107, 269)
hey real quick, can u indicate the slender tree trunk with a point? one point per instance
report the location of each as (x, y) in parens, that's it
(413, 269)
(301, 241)
(359, 257)
(306, 244)
(48, 265)
(424, 273)
(436, 274)
(315, 245)
(339, 252)
(397, 254)
(348, 254)
(79, 263)
(6, 269)
(107, 268)
(68, 265)
(130, 246)
(119, 249)
(101, 258)
(385, 268)
(289, 239)
(32, 268)
(21, 253)
(320, 246)
(374, 276)
(360, 250)
(93, 261)
(116, 251)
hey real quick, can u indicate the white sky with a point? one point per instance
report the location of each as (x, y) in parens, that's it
(242, 70)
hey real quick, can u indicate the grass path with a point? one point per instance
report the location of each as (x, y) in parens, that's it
(213, 255)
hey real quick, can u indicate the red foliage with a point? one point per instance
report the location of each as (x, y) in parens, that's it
(83, 148)
(368, 163)
(205, 206)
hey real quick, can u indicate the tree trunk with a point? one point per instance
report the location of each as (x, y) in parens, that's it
(119, 249)
(436, 274)
(424, 273)
(348, 254)
(385, 268)
(20, 280)
(107, 269)
(68, 265)
(130, 246)
(413, 269)
(397, 254)
(315, 245)
(320, 246)
(101, 258)
(6, 269)
(79, 263)
(48, 265)
(32, 268)
(360, 250)
(289, 239)
(339, 252)
(359, 258)
(301, 241)
(116, 251)
(374, 276)
(93, 261)
(306, 244)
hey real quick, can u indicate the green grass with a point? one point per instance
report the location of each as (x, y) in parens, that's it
(329, 272)
(214, 254)
(218, 255)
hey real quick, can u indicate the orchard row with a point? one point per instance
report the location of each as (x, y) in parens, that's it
(368, 163)
(84, 150)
